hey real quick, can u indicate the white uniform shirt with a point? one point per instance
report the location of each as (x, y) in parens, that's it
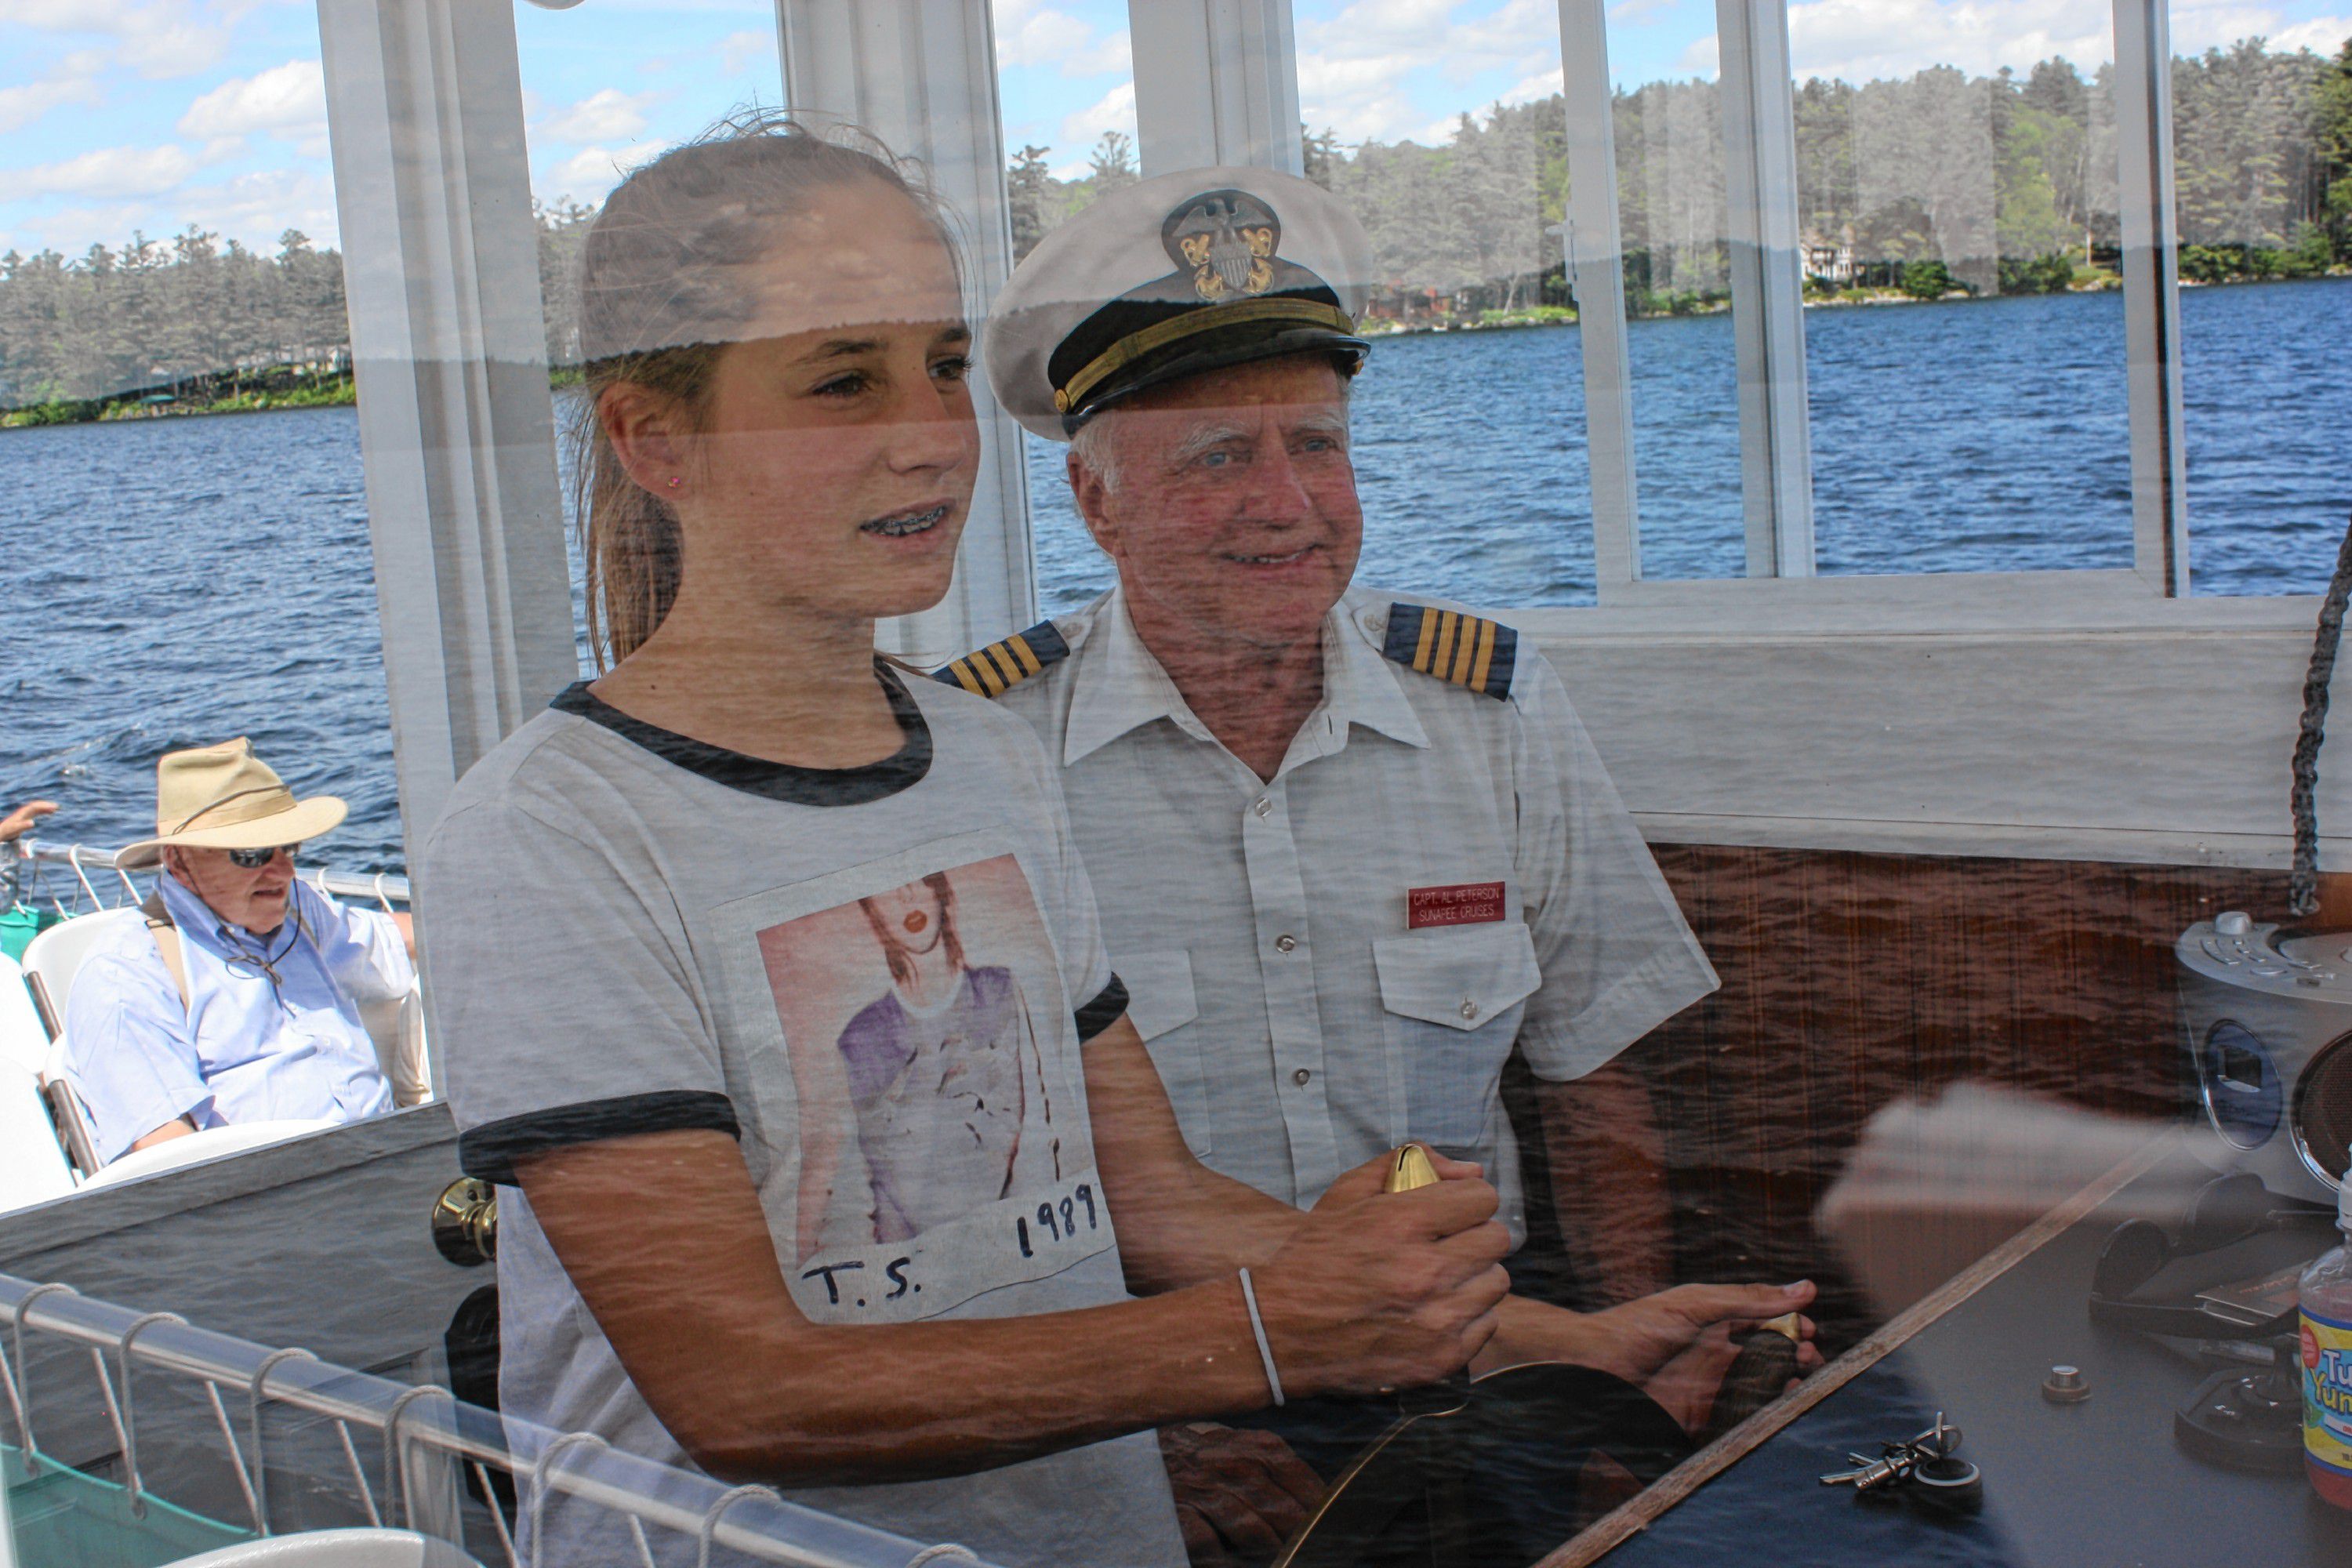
(271, 1031)
(632, 932)
(1299, 1021)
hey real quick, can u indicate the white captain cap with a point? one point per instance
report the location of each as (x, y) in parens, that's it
(1169, 276)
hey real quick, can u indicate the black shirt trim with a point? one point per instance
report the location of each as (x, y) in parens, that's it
(901, 769)
(1105, 1010)
(489, 1151)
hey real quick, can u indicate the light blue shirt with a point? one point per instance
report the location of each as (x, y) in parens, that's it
(246, 1048)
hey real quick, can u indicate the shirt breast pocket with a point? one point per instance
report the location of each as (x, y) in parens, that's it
(1452, 1004)
(1160, 1003)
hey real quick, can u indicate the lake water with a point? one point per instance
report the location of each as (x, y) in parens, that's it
(174, 582)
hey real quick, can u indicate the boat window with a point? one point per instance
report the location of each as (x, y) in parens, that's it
(1797, 784)
(2262, 302)
(1066, 100)
(1962, 271)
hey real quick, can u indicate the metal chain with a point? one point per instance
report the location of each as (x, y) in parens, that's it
(2302, 883)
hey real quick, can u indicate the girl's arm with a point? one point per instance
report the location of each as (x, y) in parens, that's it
(664, 1237)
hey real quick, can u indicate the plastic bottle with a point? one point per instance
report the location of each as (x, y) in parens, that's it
(2324, 1307)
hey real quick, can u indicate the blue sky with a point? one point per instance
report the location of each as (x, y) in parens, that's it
(118, 115)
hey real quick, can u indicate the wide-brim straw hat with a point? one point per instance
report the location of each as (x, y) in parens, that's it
(224, 797)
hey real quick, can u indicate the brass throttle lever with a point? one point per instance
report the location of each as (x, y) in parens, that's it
(1409, 1167)
(466, 1222)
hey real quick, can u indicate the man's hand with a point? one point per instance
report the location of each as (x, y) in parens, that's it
(1385, 1289)
(19, 822)
(1678, 1344)
(1239, 1495)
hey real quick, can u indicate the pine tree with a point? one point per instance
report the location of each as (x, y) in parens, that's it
(1112, 162)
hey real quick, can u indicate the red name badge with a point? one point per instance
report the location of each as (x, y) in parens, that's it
(1462, 904)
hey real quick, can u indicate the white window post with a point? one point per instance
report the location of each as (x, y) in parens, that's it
(1596, 268)
(2151, 295)
(1216, 82)
(441, 269)
(1768, 316)
(921, 76)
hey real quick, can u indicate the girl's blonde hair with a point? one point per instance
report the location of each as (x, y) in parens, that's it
(662, 290)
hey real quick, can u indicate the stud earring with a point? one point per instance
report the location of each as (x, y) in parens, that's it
(674, 482)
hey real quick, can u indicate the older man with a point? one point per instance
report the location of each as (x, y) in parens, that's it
(1352, 851)
(238, 1000)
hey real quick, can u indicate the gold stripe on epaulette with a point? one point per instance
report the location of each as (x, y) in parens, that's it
(1000, 666)
(1463, 651)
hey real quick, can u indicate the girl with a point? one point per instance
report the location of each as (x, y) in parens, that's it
(649, 940)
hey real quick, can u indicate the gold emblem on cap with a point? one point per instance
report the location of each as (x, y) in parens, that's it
(1227, 239)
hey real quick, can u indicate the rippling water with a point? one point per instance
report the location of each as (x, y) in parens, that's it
(169, 583)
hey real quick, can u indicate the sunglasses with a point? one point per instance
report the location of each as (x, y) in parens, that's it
(254, 859)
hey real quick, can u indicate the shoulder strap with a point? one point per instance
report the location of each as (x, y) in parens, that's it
(1000, 666)
(1462, 649)
(167, 943)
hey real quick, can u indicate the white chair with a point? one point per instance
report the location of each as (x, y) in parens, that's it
(206, 1143)
(24, 1042)
(336, 1549)
(72, 1116)
(397, 1025)
(33, 1168)
(54, 957)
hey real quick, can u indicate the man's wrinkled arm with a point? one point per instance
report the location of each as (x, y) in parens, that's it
(1607, 1161)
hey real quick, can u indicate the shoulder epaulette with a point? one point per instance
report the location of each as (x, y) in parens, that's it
(1464, 650)
(997, 669)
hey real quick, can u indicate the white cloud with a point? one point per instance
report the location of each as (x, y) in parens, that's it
(73, 79)
(106, 173)
(1543, 84)
(1703, 58)
(258, 207)
(1353, 66)
(588, 176)
(607, 114)
(1638, 13)
(752, 46)
(2321, 35)
(1115, 110)
(1030, 34)
(1862, 40)
(157, 38)
(287, 101)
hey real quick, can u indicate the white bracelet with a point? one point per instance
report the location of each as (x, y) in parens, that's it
(1257, 1327)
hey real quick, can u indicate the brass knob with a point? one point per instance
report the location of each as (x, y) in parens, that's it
(466, 1222)
(1409, 1168)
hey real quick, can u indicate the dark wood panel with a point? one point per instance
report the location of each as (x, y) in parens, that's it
(1850, 980)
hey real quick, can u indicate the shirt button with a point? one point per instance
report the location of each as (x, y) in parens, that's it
(1285, 943)
(1469, 1008)
(1262, 806)
(1374, 621)
(1300, 1077)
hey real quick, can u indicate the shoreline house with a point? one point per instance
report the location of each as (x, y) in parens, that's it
(1831, 260)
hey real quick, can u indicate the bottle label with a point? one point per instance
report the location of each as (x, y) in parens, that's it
(2327, 1390)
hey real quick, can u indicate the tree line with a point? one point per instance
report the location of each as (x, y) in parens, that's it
(1939, 180)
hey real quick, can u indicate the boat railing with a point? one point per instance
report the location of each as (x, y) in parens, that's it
(93, 880)
(417, 1427)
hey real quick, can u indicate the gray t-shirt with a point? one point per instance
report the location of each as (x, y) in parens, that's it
(877, 979)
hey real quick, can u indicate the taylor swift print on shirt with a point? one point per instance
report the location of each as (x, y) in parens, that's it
(926, 1026)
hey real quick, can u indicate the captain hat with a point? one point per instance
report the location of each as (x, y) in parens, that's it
(1172, 275)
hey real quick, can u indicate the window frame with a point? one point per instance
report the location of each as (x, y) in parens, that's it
(1759, 131)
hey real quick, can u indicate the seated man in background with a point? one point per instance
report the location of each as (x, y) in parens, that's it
(239, 999)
